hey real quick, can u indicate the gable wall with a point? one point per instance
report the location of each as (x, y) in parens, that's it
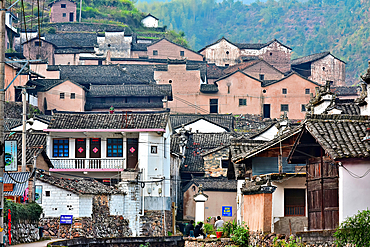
(295, 96)
(334, 71)
(203, 126)
(56, 12)
(212, 163)
(42, 70)
(56, 204)
(263, 68)
(277, 55)
(217, 53)
(33, 52)
(67, 104)
(21, 80)
(167, 49)
(150, 21)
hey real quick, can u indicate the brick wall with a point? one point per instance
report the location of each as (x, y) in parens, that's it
(56, 11)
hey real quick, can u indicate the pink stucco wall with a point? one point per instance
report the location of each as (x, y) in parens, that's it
(56, 12)
(67, 104)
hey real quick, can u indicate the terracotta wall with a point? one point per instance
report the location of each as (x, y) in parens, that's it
(66, 59)
(67, 104)
(56, 12)
(264, 69)
(42, 70)
(10, 74)
(257, 212)
(31, 50)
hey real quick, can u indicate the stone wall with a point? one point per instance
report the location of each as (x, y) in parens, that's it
(22, 233)
(152, 223)
(212, 163)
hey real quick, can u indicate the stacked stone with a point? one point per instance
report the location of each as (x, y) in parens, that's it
(23, 232)
(224, 242)
(152, 223)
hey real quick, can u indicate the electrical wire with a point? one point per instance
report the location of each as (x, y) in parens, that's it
(354, 175)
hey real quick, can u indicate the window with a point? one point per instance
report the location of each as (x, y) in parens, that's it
(226, 65)
(213, 105)
(270, 53)
(60, 148)
(323, 68)
(284, 91)
(114, 147)
(73, 95)
(331, 82)
(303, 107)
(100, 62)
(264, 91)
(242, 102)
(225, 164)
(227, 52)
(262, 77)
(153, 149)
(294, 202)
(47, 193)
(61, 95)
(38, 43)
(64, 15)
(182, 53)
(63, 6)
(284, 107)
(307, 91)
(155, 52)
(169, 81)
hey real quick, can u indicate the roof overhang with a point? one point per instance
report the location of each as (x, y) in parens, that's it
(104, 130)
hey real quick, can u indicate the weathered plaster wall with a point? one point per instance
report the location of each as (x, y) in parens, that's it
(33, 51)
(150, 21)
(67, 104)
(222, 53)
(21, 80)
(66, 59)
(117, 43)
(263, 69)
(277, 55)
(42, 70)
(212, 163)
(328, 68)
(167, 49)
(257, 212)
(217, 199)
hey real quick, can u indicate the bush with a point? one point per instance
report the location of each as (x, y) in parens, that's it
(292, 242)
(22, 212)
(241, 235)
(209, 229)
(229, 228)
(354, 230)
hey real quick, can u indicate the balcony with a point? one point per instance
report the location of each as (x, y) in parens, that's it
(88, 164)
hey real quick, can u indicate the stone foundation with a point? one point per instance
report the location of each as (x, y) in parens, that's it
(152, 223)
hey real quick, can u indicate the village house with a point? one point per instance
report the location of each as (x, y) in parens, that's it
(321, 67)
(63, 11)
(11, 31)
(225, 53)
(150, 21)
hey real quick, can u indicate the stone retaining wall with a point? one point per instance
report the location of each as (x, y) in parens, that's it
(22, 233)
(151, 223)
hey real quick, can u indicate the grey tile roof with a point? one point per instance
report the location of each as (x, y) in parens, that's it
(43, 85)
(108, 74)
(10, 123)
(73, 40)
(223, 120)
(213, 184)
(122, 105)
(344, 91)
(241, 152)
(139, 46)
(341, 136)
(311, 58)
(214, 71)
(348, 106)
(130, 90)
(118, 120)
(35, 144)
(79, 186)
(67, 50)
(208, 88)
(19, 188)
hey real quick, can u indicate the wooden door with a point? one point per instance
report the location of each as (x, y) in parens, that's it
(95, 153)
(322, 194)
(80, 153)
(132, 152)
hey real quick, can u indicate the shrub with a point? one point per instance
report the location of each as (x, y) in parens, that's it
(22, 212)
(241, 235)
(209, 229)
(292, 242)
(229, 228)
(354, 230)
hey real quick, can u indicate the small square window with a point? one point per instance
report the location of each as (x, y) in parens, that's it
(303, 107)
(307, 91)
(242, 102)
(63, 6)
(47, 193)
(73, 95)
(262, 77)
(284, 91)
(182, 53)
(226, 65)
(225, 164)
(284, 107)
(38, 43)
(64, 15)
(155, 53)
(61, 95)
(153, 149)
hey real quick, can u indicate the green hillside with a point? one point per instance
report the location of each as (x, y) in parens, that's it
(341, 27)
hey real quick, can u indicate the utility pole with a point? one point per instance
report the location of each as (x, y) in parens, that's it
(24, 119)
(80, 9)
(2, 102)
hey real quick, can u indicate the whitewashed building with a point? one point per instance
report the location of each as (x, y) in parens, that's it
(150, 21)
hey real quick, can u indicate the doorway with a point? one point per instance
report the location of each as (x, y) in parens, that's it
(266, 110)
